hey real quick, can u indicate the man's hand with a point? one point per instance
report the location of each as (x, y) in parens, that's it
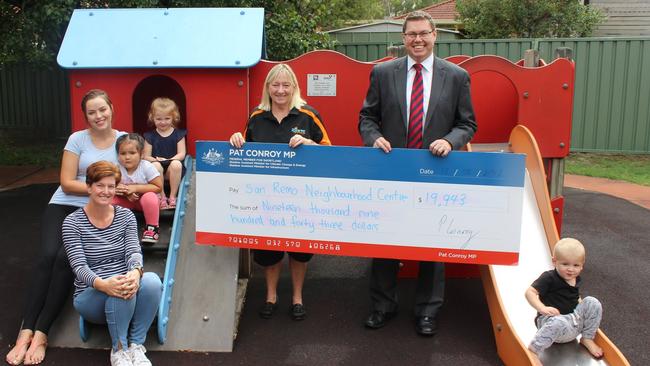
(440, 147)
(383, 144)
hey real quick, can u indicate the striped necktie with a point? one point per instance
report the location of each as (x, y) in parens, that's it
(414, 138)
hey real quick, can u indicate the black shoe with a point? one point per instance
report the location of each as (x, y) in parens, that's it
(378, 319)
(426, 326)
(268, 309)
(298, 312)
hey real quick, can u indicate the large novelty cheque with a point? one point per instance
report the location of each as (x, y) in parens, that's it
(357, 201)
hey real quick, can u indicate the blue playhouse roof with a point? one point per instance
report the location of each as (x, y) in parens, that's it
(163, 38)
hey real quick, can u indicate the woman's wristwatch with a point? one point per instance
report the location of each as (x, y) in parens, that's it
(140, 269)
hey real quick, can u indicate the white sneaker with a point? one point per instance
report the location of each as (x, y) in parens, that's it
(136, 352)
(120, 358)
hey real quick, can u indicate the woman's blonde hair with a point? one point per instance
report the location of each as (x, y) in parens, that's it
(274, 73)
(164, 105)
(100, 170)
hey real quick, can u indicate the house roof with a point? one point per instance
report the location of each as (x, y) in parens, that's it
(383, 26)
(623, 18)
(163, 38)
(360, 26)
(442, 12)
(387, 23)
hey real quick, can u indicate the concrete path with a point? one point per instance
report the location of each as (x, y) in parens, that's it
(634, 193)
(12, 177)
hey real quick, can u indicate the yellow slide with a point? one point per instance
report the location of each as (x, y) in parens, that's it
(512, 316)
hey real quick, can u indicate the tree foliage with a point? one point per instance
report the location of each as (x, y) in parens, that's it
(527, 18)
(399, 7)
(289, 34)
(32, 31)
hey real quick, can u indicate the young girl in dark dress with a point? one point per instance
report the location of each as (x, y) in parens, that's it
(165, 146)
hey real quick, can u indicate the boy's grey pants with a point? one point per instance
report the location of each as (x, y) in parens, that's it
(584, 320)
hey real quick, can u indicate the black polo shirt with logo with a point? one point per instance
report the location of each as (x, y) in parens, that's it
(305, 121)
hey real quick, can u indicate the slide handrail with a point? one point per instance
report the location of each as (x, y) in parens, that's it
(172, 253)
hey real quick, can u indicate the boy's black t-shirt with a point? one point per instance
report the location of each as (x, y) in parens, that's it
(554, 291)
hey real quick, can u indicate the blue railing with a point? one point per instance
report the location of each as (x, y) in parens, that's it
(172, 253)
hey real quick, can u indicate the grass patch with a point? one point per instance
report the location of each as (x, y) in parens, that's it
(630, 168)
(20, 150)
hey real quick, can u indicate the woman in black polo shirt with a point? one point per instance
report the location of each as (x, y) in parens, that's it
(282, 117)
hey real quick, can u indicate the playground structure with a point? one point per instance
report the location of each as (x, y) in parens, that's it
(518, 109)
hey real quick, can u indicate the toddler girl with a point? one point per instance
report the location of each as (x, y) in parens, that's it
(165, 146)
(139, 185)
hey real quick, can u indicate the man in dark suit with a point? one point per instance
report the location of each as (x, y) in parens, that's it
(417, 101)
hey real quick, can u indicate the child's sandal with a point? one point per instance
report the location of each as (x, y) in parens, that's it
(172, 203)
(163, 203)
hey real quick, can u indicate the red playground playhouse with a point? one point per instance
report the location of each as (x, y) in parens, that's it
(215, 74)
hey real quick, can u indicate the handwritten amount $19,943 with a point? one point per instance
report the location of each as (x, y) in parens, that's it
(438, 199)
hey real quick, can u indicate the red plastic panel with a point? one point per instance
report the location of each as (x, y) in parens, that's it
(384, 59)
(459, 270)
(544, 100)
(340, 113)
(521, 62)
(495, 101)
(216, 102)
(458, 58)
(557, 204)
(410, 269)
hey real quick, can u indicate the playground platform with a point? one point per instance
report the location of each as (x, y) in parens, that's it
(614, 230)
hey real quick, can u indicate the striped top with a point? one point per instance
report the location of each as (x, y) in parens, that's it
(95, 252)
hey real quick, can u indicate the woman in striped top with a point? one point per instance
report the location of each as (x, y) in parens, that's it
(101, 242)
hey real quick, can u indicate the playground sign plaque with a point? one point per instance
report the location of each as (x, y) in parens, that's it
(357, 201)
(321, 85)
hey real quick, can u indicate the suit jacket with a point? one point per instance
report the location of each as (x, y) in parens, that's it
(450, 114)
